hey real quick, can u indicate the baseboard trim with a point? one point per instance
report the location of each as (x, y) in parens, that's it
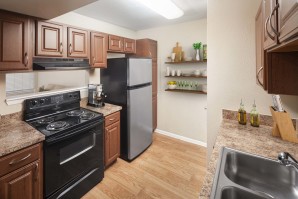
(179, 137)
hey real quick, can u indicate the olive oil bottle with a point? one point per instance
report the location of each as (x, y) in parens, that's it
(242, 114)
(254, 116)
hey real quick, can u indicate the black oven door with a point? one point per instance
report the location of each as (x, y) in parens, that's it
(67, 158)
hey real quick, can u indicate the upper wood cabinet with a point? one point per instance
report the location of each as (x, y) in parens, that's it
(49, 39)
(121, 44)
(98, 58)
(77, 42)
(57, 40)
(288, 19)
(115, 43)
(270, 23)
(129, 45)
(16, 38)
(260, 67)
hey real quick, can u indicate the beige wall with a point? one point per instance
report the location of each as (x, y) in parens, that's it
(231, 63)
(182, 114)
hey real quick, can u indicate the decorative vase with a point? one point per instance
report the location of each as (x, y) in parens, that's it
(198, 54)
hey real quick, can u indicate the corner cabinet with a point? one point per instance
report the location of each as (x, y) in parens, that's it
(16, 38)
(21, 174)
(112, 138)
(148, 48)
(98, 58)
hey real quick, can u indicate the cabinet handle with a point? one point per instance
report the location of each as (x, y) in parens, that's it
(150, 53)
(94, 61)
(20, 160)
(112, 119)
(61, 48)
(270, 22)
(258, 73)
(119, 44)
(266, 28)
(36, 170)
(26, 61)
(70, 49)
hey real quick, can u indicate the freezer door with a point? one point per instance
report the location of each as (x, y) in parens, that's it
(139, 71)
(139, 120)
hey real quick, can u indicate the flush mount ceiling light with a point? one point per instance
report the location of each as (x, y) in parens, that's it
(166, 8)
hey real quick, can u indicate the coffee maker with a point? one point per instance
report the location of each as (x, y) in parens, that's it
(95, 95)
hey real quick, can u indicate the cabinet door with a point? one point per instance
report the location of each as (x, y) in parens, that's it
(146, 48)
(49, 39)
(98, 57)
(22, 183)
(112, 142)
(260, 68)
(129, 45)
(115, 43)
(15, 42)
(288, 19)
(154, 111)
(270, 23)
(77, 43)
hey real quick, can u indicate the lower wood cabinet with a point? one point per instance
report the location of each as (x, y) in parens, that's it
(21, 174)
(112, 138)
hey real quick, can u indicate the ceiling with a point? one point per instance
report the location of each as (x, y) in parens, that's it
(46, 9)
(134, 15)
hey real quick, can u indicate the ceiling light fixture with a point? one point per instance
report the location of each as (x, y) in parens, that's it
(166, 8)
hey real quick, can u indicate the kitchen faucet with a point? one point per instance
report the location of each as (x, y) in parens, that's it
(287, 160)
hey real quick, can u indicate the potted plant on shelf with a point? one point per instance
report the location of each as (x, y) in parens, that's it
(197, 47)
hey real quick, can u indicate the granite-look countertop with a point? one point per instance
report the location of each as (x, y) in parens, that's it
(248, 139)
(106, 110)
(17, 134)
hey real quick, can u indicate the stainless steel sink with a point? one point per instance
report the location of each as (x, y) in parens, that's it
(236, 193)
(241, 175)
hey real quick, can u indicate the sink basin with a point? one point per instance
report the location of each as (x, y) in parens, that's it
(240, 174)
(236, 193)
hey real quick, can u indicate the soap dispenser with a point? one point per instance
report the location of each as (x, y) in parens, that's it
(254, 116)
(242, 114)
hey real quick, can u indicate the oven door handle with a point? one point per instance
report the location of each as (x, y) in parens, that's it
(59, 138)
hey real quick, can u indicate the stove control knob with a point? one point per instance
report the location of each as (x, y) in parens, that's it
(42, 101)
(34, 102)
(70, 95)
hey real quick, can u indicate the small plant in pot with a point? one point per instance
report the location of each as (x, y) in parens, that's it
(197, 47)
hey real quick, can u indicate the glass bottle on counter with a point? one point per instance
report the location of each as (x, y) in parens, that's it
(242, 114)
(254, 116)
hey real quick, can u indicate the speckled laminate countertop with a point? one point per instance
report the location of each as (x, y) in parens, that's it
(106, 110)
(248, 139)
(16, 134)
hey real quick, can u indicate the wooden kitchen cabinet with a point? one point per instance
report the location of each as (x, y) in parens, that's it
(112, 138)
(270, 23)
(49, 39)
(77, 42)
(21, 174)
(129, 45)
(115, 43)
(98, 58)
(260, 66)
(288, 19)
(148, 48)
(57, 40)
(16, 38)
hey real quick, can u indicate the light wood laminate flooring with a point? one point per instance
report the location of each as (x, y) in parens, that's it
(168, 169)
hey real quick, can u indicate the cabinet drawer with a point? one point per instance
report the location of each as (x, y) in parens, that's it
(110, 119)
(18, 159)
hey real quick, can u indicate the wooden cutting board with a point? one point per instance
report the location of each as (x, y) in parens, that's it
(178, 50)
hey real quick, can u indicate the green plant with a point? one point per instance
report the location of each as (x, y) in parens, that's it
(197, 46)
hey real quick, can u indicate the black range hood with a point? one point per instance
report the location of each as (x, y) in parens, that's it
(60, 64)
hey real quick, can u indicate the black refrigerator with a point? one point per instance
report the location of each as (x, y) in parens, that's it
(127, 82)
